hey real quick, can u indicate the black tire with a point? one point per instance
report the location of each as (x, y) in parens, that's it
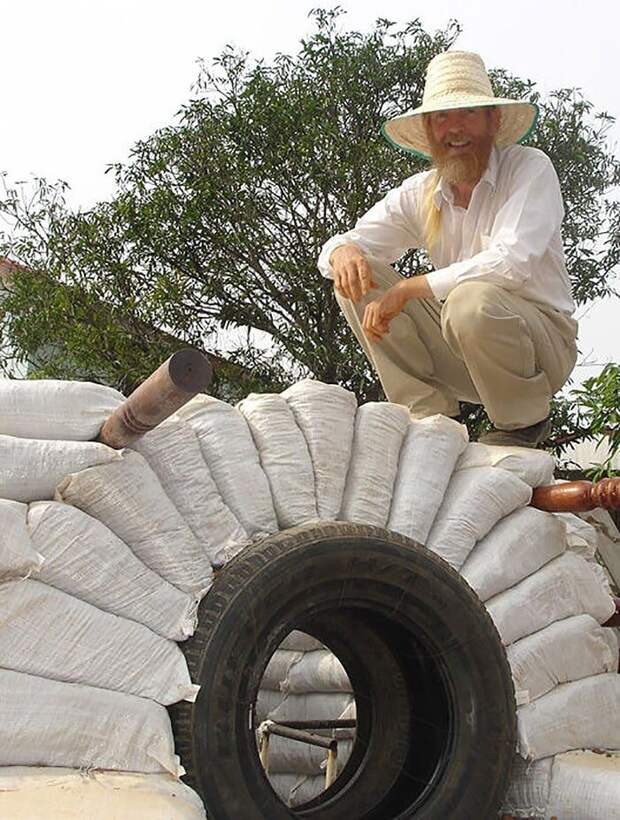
(435, 702)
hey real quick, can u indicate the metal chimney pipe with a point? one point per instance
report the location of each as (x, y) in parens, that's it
(172, 385)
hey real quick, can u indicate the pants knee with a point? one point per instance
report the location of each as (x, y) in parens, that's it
(468, 308)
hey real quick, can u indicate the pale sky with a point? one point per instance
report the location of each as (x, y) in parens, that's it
(83, 81)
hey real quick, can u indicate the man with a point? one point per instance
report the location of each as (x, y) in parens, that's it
(492, 324)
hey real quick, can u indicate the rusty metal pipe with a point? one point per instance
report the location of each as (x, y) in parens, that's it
(172, 385)
(271, 727)
(344, 723)
(578, 496)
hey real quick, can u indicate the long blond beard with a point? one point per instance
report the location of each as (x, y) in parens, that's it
(468, 167)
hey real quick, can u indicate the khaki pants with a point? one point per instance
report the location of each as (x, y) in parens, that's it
(483, 345)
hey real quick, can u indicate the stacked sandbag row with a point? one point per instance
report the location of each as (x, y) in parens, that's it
(88, 619)
(303, 681)
(195, 490)
(468, 503)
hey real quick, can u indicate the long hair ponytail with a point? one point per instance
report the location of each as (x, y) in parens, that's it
(431, 213)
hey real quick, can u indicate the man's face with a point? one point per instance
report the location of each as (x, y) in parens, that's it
(461, 140)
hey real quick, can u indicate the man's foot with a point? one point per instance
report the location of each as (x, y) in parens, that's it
(530, 436)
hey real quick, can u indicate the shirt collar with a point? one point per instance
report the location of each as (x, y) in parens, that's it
(444, 190)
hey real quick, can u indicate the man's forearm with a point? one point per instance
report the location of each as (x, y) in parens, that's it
(416, 287)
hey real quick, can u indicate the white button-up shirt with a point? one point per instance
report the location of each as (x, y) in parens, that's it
(509, 234)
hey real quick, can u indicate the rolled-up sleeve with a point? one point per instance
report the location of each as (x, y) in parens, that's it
(520, 236)
(386, 231)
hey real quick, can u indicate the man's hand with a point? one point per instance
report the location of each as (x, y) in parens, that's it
(380, 312)
(352, 273)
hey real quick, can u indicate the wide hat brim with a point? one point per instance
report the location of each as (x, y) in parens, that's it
(518, 120)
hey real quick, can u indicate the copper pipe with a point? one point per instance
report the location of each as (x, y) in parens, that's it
(578, 496)
(172, 385)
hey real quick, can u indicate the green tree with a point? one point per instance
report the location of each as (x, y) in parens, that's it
(218, 219)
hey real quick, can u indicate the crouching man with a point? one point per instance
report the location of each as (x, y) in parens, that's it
(492, 323)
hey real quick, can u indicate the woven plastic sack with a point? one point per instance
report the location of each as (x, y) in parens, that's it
(476, 499)
(429, 453)
(31, 469)
(127, 497)
(289, 756)
(517, 546)
(228, 448)
(300, 642)
(313, 706)
(46, 632)
(45, 722)
(585, 785)
(86, 559)
(580, 715)
(564, 587)
(567, 650)
(284, 457)
(173, 452)
(581, 537)
(44, 793)
(277, 669)
(54, 409)
(528, 792)
(380, 429)
(535, 467)
(267, 701)
(18, 557)
(318, 671)
(326, 415)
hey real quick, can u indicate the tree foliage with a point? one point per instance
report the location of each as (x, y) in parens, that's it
(219, 218)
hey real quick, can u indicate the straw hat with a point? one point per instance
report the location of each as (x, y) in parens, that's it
(458, 79)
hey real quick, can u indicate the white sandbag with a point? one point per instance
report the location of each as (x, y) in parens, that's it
(30, 469)
(18, 557)
(46, 632)
(380, 428)
(306, 789)
(528, 792)
(585, 786)
(300, 758)
(127, 497)
(313, 706)
(318, 671)
(580, 715)
(228, 449)
(284, 457)
(278, 667)
(173, 452)
(581, 537)
(295, 789)
(567, 650)
(427, 459)
(535, 467)
(476, 499)
(517, 546)
(267, 700)
(607, 531)
(564, 587)
(45, 722)
(86, 559)
(72, 794)
(326, 415)
(300, 642)
(283, 782)
(54, 409)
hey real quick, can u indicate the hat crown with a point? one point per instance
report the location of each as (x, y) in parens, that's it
(456, 75)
